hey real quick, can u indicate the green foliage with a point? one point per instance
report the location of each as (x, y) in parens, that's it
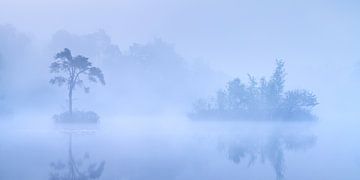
(263, 99)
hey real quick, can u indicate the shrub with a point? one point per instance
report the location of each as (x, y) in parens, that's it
(77, 117)
(263, 99)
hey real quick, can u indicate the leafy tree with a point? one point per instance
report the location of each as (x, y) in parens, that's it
(298, 102)
(276, 83)
(202, 106)
(236, 94)
(70, 71)
(221, 100)
(260, 99)
(273, 89)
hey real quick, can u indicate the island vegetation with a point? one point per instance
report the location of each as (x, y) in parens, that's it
(263, 99)
(70, 71)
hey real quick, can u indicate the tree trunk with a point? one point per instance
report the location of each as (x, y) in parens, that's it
(70, 100)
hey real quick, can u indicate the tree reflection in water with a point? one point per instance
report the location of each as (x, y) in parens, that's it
(271, 149)
(76, 169)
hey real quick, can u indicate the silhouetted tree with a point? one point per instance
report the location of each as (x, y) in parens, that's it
(273, 90)
(264, 99)
(71, 69)
(297, 102)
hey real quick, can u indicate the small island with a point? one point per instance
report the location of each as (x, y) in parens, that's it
(258, 100)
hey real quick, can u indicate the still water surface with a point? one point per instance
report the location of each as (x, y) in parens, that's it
(165, 148)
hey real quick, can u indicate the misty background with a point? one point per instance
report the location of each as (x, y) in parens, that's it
(158, 58)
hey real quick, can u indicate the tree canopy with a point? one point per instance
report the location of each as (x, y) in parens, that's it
(263, 99)
(70, 70)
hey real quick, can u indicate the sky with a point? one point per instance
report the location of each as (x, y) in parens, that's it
(318, 40)
(314, 37)
(226, 33)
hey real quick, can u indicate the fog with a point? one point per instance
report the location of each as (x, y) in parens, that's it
(179, 89)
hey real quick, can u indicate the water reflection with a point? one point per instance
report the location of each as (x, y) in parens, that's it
(162, 150)
(76, 168)
(270, 148)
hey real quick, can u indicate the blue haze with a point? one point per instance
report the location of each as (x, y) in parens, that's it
(158, 58)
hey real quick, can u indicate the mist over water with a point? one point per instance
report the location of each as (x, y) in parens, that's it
(134, 90)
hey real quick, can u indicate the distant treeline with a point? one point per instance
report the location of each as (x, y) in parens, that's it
(258, 100)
